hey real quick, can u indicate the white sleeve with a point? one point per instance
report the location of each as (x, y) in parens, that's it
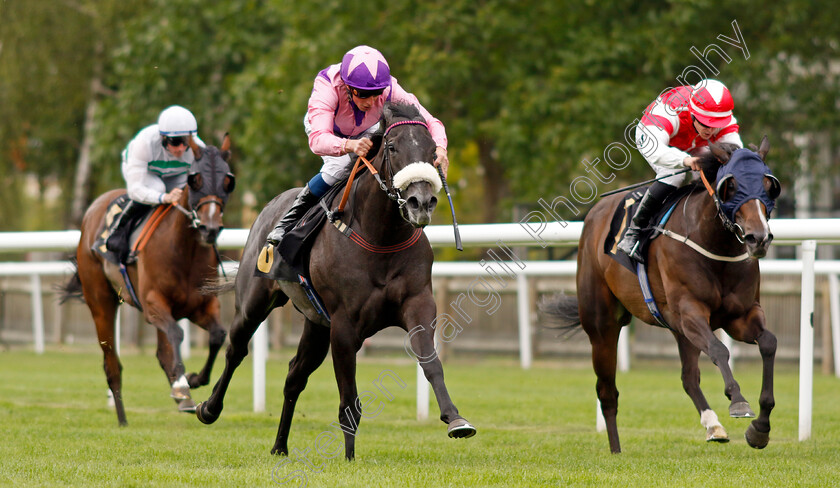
(136, 170)
(732, 138)
(652, 142)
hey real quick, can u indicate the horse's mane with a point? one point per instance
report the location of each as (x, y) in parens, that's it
(394, 110)
(710, 163)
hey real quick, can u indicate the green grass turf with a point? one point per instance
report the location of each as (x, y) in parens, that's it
(535, 428)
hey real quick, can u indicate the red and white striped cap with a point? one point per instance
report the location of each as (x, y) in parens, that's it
(711, 103)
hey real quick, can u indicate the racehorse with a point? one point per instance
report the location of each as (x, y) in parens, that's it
(698, 280)
(374, 274)
(179, 257)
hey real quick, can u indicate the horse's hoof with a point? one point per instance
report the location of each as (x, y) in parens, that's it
(755, 438)
(716, 433)
(741, 410)
(187, 406)
(180, 389)
(461, 429)
(203, 415)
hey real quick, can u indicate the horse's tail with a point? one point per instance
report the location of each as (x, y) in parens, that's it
(561, 310)
(218, 286)
(72, 290)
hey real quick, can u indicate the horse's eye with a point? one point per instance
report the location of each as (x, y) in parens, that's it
(392, 148)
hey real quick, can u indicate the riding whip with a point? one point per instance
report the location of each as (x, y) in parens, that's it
(452, 208)
(686, 170)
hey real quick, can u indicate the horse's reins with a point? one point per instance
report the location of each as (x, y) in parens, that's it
(728, 224)
(389, 189)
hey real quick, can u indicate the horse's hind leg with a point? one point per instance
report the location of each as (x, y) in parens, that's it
(689, 356)
(312, 349)
(104, 320)
(209, 321)
(604, 352)
(103, 307)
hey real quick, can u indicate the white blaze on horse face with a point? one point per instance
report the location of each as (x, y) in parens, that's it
(211, 213)
(763, 218)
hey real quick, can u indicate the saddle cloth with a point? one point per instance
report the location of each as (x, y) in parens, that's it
(625, 210)
(115, 208)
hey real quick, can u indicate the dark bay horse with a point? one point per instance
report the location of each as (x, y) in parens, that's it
(365, 289)
(698, 290)
(178, 259)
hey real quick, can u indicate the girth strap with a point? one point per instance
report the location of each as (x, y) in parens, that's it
(364, 244)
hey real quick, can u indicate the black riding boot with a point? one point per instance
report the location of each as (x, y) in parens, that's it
(118, 240)
(650, 204)
(304, 201)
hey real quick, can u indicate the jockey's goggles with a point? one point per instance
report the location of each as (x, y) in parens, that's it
(366, 93)
(175, 141)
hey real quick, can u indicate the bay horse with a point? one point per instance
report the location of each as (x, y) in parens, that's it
(179, 257)
(698, 280)
(370, 278)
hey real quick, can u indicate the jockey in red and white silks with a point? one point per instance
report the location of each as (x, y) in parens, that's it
(675, 129)
(667, 133)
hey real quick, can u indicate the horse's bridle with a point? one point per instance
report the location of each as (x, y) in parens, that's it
(727, 223)
(390, 190)
(192, 213)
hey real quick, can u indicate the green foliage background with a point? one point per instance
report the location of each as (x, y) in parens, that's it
(527, 89)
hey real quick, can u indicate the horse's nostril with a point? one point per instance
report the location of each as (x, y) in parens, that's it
(413, 203)
(750, 238)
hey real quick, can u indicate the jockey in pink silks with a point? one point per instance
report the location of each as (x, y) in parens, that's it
(674, 131)
(344, 111)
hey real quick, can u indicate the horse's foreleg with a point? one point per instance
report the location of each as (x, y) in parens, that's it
(758, 432)
(345, 343)
(689, 355)
(421, 341)
(312, 349)
(169, 358)
(210, 322)
(418, 315)
(241, 332)
(697, 330)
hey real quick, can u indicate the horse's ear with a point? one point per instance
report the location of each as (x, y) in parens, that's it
(194, 180)
(195, 148)
(764, 147)
(229, 183)
(225, 143)
(720, 153)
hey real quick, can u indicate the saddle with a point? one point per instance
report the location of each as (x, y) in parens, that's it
(138, 233)
(624, 211)
(289, 261)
